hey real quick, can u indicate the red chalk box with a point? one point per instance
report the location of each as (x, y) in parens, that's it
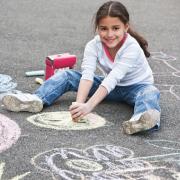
(59, 61)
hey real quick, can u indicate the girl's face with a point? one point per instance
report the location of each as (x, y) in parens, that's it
(111, 31)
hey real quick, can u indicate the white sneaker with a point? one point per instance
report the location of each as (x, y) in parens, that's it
(147, 121)
(22, 102)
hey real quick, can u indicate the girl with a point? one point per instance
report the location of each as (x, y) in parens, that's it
(121, 54)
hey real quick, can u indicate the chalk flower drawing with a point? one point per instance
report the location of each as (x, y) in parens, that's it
(101, 162)
(9, 133)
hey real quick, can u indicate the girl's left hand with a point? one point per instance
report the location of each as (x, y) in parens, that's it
(79, 110)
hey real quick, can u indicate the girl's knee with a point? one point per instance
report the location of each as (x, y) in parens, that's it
(72, 74)
(65, 74)
(59, 75)
(149, 90)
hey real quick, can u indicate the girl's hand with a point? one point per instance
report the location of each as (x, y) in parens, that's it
(79, 110)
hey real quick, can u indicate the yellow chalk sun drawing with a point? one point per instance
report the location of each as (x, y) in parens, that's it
(62, 121)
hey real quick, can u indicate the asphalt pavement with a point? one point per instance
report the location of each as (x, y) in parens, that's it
(33, 29)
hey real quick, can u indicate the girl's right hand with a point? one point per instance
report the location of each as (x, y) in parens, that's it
(79, 110)
(72, 108)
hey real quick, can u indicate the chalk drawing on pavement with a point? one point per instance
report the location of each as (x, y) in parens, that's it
(6, 83)
(18, 177)
(62, 121)
(177, 74)
(166, 60)
(165, 144)
(9, 133)
(84, 165)
(103, 162)
(162, 56)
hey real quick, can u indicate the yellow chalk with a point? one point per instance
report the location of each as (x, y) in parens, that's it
(39, 80)
(83, 120)
(79, 120)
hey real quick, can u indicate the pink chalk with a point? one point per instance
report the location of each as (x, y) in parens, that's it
(9, 133)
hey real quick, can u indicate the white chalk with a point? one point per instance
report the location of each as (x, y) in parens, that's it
(35, 73)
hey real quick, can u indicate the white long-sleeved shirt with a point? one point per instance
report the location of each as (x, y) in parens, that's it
(130, 65)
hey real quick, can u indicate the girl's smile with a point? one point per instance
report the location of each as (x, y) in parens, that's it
(111, 31)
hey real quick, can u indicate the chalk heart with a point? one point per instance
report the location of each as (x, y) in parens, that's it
(9, 133)
(62, 121)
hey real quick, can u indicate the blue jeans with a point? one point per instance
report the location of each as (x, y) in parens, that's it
(141, 96)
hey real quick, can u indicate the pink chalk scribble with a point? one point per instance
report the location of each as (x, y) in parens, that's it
(9, 132)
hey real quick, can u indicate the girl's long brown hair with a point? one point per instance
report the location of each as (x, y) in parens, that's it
(117, 9)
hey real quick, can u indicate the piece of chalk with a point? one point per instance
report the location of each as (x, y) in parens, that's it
(82, 121)
(39, 80)
(35, 73)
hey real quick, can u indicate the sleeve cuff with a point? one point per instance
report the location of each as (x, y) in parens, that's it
(107, 86)
(88, 77)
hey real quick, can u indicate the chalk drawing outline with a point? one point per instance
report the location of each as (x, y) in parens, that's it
(163, 57)
(150, 142)
(112, 170)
